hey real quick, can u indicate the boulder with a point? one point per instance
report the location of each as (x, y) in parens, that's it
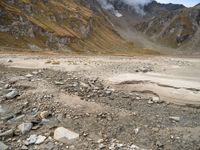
(12, 94)
(25, 127)
(31, 140)
(64, 135)
(40, 139)
(3, 146)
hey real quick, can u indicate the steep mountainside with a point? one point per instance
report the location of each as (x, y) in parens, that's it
(71, 25)
(169, 25)
(175, 29)
(98, 26)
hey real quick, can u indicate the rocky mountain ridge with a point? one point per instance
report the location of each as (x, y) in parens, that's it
(71, 26)
(86, 27)
(171, 25)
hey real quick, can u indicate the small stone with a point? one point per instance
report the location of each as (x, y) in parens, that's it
(7, 86)
(9, 61)
(136, 130)
(159, 144)
(12, 94)
(8, 133)
(1, 109)
(31, 140)
(102, 146)
(18, 118)
(134, 147)
(100, 141)
(138, 98)
(59, 83)
(108, 92)
(3, 146)
(174, 118)
(40, 139)
(44, 114)
(25, 127)
(54, 62)
(35, 72)
(64, 135)
(24, 147)
(29, 75)
(150, 102)
(155, 99)
(48, 62)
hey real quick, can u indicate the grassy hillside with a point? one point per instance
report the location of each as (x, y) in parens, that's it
(60, 24)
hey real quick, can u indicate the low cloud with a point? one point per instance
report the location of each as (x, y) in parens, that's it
(137, 5)
(105, 4)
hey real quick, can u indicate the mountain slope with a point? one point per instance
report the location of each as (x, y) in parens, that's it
(174, 29)
(71, 25)
(161, 26)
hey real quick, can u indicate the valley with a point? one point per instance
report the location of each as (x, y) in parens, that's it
(99, 75)
(112, 102)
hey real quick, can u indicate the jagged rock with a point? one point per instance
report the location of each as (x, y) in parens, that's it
(31, 140)
(12, 94)
(3, 146)
(25, 127)
(40, 139)
(64, 135)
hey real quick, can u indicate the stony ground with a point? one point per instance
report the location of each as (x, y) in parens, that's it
(94, 114)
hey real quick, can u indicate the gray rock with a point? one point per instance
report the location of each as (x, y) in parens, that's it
(25, 127)
(29, 75)
(7, 86)
(102, 146)
(155, 99)
(8, 133)
(15, 119)
(2, 110)
(64, 135)
(59, 83)
(3, 146)
(174, 118)
(24, 147)
(31, 140)
(136, 130)
(9, 61)
(40, 139)
(12, 94)
(35, 72)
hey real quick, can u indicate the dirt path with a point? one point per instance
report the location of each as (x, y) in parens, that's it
(111, 102)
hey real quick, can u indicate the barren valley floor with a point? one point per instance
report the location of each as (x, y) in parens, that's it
(126, 103)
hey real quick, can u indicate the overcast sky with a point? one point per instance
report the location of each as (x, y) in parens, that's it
(187, 3)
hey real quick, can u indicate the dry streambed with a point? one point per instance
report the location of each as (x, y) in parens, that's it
(99, 103)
